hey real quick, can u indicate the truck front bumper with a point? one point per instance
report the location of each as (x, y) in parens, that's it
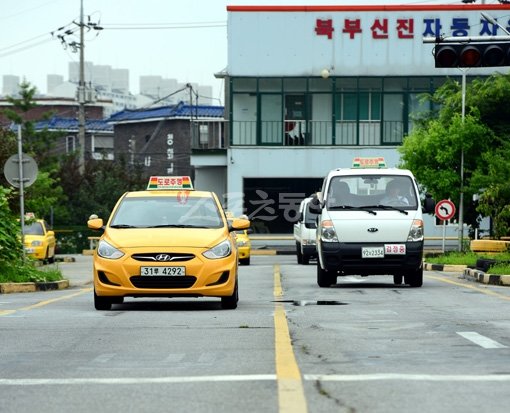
(345, 258)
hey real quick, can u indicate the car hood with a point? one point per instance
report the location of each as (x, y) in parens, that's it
(165, 237)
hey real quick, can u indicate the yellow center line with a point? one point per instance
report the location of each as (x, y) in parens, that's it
(471, 287)
(45, 302)
(291, 396)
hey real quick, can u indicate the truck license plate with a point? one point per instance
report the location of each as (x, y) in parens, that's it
(170, 271)
(372, 252)
(395, 249)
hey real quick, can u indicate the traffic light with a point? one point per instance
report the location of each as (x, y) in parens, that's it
(472, 54)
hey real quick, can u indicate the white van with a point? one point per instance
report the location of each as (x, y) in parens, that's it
(370, 223)
(305, 233)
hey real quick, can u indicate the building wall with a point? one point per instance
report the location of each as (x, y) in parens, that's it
(162, 147)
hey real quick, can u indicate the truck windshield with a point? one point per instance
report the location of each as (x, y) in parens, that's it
(368, 190)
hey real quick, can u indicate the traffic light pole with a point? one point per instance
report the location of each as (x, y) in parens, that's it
(461, 198)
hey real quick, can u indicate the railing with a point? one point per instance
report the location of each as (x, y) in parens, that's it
(317, 133)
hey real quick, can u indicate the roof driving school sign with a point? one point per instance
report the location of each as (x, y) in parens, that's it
(351, 40)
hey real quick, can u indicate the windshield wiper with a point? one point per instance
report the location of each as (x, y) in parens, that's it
(175, 226)
(387, 207)
(123, 226)
(342, 207)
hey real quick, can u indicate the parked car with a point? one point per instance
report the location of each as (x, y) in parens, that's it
(305, 233)
(39, 240)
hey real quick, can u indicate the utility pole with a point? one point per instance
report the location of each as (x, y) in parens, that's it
(81, 93)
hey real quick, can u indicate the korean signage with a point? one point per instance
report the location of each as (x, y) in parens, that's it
(351, 40)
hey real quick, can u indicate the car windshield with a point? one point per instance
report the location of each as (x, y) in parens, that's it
(374, 191)
(35, 228)
(167, 212)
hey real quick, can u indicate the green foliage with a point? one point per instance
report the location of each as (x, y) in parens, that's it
(434, 149)
(465, 258)
(10, 241)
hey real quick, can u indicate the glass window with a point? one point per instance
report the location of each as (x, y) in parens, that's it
(244, 84)
(294, 85)
(348, 84)
(395, 84)
(319, 85)
(270, 84)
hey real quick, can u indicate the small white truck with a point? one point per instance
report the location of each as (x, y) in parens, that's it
(305, 233)
(370, 223)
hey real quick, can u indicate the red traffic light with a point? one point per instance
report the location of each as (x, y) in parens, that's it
(472, 54)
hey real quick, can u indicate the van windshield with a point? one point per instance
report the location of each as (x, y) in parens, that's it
(360, 191)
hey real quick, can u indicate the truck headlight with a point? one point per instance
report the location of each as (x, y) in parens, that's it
(327, 231)
(416, 231)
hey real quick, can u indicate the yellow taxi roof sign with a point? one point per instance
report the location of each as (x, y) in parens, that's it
(375, 162)
(170, 182)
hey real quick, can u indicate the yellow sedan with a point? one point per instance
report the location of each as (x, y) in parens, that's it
(167, 241)
(39, 241)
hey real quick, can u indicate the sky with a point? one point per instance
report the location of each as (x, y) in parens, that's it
(179, 39)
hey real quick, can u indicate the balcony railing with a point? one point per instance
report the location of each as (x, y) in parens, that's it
(317, 133)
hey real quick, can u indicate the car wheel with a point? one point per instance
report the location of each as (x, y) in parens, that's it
(397, 279)
(244, 261)
(298, 253)
(230, 302)
(51, 259)
(324, 278)
(415, 278)
(305, 259)
(101, 303)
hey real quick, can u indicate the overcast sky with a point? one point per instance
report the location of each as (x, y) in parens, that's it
(190, 44)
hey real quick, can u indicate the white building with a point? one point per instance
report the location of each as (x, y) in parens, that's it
(309, 88)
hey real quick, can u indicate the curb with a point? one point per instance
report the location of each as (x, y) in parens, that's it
(481, 277)
(9, 288)
(444, 267)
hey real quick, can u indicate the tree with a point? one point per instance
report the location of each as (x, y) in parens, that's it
(433, 149)
(45, 191)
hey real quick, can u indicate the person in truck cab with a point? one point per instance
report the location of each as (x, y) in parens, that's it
(393, 195)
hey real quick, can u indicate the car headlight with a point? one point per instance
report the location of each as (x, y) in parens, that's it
(36, 243)
(241, 243)
(416, 231)
(105, 250)
(222, 250)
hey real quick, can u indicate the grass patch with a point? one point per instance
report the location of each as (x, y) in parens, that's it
(499, 269)
(470, 258)
(28, 273)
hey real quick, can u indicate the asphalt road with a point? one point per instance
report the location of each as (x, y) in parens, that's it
(363, 345)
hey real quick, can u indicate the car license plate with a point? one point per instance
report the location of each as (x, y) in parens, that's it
(395, 249)
(165, 271)
(372, 252)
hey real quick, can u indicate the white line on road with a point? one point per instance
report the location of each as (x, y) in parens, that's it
(136, 380)
(407, 377)
(482, 341)
(255, 377)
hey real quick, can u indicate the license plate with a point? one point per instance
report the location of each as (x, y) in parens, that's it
(167, 271)
(372, 252)
(395, 249)
(29, 250)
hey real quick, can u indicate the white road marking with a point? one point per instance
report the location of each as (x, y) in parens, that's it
(407, 377)
(257, 377)
(136, 380)
(482, 341)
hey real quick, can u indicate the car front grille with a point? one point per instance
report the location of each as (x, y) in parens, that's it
(140, 281)
(163, 257)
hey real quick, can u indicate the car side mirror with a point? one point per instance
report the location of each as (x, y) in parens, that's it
(429, 205)
(314, 206)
